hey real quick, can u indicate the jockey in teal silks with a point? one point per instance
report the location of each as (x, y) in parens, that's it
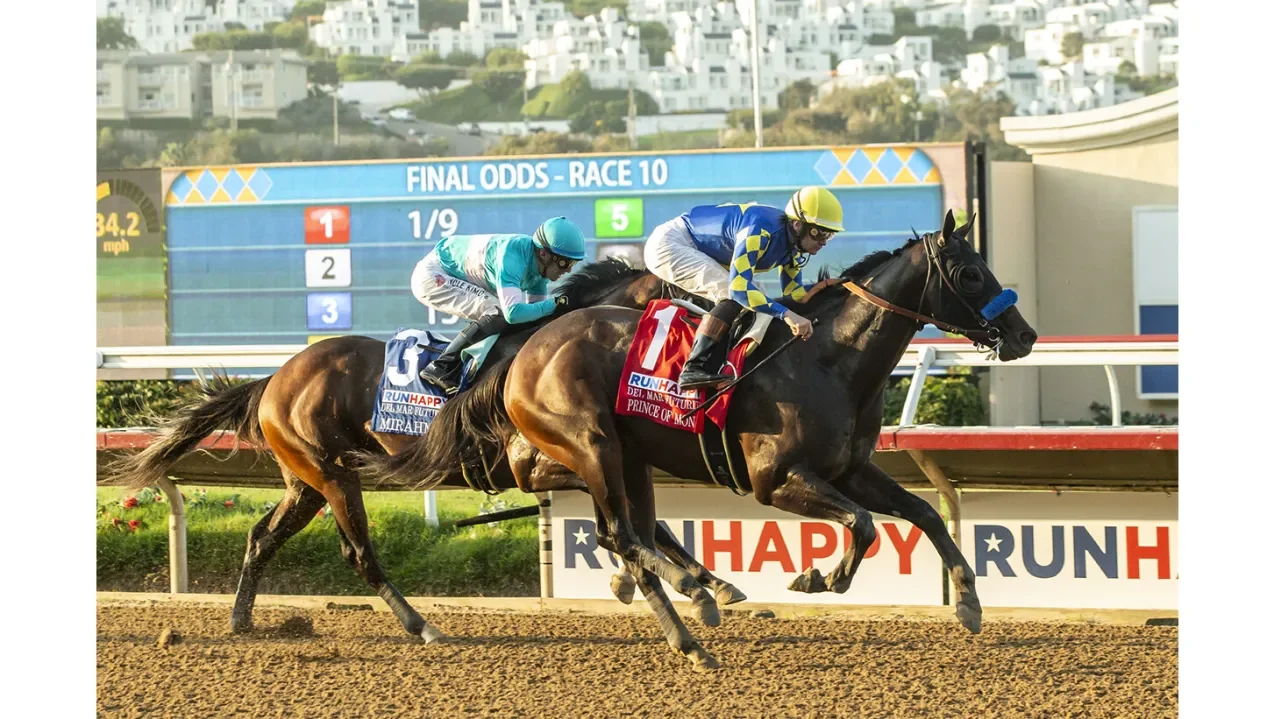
(715, 251)
(494, 281)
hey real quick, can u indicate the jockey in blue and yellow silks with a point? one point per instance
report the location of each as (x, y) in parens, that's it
(715, 251)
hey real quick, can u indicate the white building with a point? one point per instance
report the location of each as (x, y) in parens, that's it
(993, 72)
(161, 26)
(603, 46)
(911, 58)
(1016, 17)
(365, 27)
(662, 10)
(254, 14)
(491, 24)
(1168, 49)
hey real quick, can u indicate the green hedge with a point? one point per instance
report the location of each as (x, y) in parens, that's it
(135, 403)
(953, 400)
(494, 560)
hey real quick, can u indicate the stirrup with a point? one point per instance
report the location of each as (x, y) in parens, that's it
(444, 383)
(701, 378)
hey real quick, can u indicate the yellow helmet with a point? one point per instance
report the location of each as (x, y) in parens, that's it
(816, 206)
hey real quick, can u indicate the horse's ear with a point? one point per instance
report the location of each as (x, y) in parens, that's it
(963, 231)
(948, 225)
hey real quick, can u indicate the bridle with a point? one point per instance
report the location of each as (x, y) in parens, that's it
(984, 337)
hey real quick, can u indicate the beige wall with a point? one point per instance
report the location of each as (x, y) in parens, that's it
(1014, 392)
(1084, 263)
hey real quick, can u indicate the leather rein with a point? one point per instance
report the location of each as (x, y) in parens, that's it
(986, 336)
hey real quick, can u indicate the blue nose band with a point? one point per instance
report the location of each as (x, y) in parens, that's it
(996, 307)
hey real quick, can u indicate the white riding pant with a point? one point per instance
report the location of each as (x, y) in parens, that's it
(431, 284)
(671, 255)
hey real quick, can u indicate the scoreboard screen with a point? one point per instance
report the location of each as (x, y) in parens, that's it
(132, 303)
(290, 254)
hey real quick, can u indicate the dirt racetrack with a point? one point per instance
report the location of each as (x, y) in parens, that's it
(507, 664)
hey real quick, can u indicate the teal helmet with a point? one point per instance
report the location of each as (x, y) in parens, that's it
(561, 237)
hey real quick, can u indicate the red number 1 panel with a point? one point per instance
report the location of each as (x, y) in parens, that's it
(328, 225)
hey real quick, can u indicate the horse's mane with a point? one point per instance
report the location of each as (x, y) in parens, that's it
(856, 271)
(594, 278)
(861, 268)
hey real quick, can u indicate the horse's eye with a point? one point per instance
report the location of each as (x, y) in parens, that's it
(969, 280)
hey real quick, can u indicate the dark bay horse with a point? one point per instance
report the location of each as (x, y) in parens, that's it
(314, 415)
(808, 421)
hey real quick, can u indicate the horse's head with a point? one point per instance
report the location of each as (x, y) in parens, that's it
(967, 294)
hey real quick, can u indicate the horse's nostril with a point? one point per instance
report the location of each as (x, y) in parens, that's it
(1027, 337)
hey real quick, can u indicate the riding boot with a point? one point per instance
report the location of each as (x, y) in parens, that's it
(444, 371)
(707, 354)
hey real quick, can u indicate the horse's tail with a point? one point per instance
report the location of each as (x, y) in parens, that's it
(469, 428)
(223, 405)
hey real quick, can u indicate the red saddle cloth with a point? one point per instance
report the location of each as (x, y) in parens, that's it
(648, 385)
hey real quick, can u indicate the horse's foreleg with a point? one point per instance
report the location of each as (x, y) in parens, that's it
(805, 493)
(880, 493)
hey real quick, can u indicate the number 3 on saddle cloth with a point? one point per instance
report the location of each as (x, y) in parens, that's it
(405, 404)
(648, 387)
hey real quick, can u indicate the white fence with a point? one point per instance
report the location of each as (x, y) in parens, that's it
(1106, 352)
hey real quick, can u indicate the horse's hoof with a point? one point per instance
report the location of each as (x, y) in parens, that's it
(840, 585)
(431, 635)
(728, 594)
(702, 660)
(622, 586)
(705, 608)
(810, 582)
(970, 617)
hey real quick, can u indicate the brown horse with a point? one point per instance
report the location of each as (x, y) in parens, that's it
(314, 415)
(807, 421)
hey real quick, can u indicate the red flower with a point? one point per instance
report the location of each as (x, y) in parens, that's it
(115, 521)
(130, 502)
(229, 503)
(320, 513)
(134, 525)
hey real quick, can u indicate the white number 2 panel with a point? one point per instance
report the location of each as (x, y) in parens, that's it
(327, 268)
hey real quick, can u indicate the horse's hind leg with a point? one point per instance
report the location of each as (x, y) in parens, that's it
(725, 592)
(623, 583)
(346, 500)
(297, 508)
(880, 493)
(805, 493)
(641, 494)
(340, 487)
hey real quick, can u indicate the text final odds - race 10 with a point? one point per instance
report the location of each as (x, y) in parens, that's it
(285, 254)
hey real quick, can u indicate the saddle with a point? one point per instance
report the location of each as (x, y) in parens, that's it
(721, 451)
(748, 325)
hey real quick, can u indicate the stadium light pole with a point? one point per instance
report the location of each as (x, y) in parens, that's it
(756, 71)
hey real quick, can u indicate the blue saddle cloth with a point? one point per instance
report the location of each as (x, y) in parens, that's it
(406, 404)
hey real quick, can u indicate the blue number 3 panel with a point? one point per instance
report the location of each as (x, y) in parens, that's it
(329, 311)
